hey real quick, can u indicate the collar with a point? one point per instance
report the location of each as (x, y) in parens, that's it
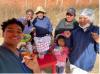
(85, 28)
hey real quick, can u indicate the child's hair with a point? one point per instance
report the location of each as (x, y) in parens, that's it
(61, 37)
(11, 21)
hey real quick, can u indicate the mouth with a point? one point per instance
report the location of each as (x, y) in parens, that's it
(16, 38)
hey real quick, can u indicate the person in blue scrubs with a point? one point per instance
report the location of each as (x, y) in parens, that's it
(10, 57)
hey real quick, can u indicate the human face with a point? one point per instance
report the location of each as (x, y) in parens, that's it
(83, 20)
(40, 15)
(29, 15)
(12, 34)
(61, 42)
(69, 17)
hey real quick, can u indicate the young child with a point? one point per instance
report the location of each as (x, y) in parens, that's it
(61, 52)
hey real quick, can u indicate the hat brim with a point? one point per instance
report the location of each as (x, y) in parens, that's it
(70, 13)
(39, 11)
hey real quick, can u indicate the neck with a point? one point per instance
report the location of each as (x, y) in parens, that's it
(69, 22)
(11, 47)
(84, 26)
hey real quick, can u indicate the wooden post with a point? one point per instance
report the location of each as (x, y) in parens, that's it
(45, 3)
(77, 1)
(56, 2)
(62, 3)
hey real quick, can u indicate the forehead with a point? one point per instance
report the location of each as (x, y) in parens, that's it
(60, 39)
(14, 26)
(86, 17)
(29, 12)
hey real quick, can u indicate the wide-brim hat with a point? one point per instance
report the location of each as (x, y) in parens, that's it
(40, 9)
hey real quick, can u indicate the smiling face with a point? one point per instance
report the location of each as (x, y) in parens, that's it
(70, 17)
(12, 34)
(40, 15)
(29, 15)
(83, 20)
(61, 42)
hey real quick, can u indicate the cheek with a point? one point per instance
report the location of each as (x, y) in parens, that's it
(6, 37)
(69, 18)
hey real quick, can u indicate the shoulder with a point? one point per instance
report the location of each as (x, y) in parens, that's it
(63, 20)
(94, 28)
(21, 19)
(76, 30)
(46, 18)
(3, 54)
(56, 48)
(2, 51)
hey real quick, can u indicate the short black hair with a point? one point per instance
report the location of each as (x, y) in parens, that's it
(29, 10)
(11, 21)
(61, 37)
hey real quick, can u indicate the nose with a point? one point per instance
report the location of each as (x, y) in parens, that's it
(15, 33)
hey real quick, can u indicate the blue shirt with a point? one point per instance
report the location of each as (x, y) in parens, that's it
(43, 26)
(84, 48)
(11, 63)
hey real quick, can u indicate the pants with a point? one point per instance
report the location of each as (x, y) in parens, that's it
(60, 70)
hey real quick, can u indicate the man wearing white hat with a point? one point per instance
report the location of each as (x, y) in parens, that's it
(43, 30)
(85, 44)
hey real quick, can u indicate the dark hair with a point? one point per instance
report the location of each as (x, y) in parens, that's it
(61, 37)
(11, 21)
(39, 12)
(29, 10)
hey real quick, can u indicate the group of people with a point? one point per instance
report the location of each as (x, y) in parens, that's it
(75, 42)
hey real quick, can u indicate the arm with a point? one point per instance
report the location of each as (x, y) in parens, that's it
(59, 28)
(95, 36)
(50, 26)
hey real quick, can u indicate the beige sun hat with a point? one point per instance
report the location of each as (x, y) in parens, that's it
(40, 9)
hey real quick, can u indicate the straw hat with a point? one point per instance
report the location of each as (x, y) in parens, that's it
(40, 9)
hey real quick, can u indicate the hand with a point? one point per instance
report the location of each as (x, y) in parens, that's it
(67, 34)
(95, 36)
(32, 63)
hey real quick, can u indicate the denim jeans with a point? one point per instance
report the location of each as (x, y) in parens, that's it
(59, 70)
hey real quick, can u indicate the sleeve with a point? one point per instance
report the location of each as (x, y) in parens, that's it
(96, 29)
(60, 27)
(49, 26)
(97, 48)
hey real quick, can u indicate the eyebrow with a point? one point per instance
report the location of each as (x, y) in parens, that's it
(13, 28)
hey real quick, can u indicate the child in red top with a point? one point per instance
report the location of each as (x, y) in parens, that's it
(61, 52)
